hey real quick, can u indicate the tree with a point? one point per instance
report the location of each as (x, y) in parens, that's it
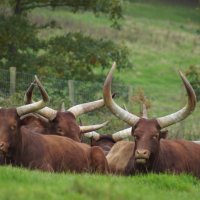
(67, 56)
(113, 8)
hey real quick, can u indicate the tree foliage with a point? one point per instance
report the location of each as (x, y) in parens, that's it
(113, 8)
(73, 56)
(18, 41)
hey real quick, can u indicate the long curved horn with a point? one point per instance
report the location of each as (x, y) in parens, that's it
(93, 135)
(34, 115)
(45, 113)
(85, 129)
(63, 107)
(48, 113)
(29, 93)
(197, 142)
(123, 134)
(112, 106)
(22, 110)
(86, 107)
(185, 111)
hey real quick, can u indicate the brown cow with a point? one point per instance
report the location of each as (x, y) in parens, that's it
(151, 152)
(106, 141)
(19, 111)
(62, 122)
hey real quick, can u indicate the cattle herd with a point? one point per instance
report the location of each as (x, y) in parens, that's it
(35, 136)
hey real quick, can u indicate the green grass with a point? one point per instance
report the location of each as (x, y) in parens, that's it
(22, 184)
(162, 39)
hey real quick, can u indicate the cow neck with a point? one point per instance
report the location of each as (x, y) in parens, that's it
(16, 147)
(161, 161)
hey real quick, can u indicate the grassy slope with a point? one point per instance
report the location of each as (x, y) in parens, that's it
(162, 39)
(22, 184)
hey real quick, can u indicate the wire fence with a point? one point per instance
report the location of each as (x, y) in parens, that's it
(14, 84)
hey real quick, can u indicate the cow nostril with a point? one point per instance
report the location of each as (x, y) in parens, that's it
(1, 145)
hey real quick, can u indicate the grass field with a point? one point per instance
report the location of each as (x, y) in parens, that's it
(22, 184)
(162, 39)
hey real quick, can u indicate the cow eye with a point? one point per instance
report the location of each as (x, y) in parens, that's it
(13, 127)
(59, 130)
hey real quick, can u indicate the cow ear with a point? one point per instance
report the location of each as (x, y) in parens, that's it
(163, 134)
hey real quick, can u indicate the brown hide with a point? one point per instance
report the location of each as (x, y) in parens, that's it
(46, 152)
(64, 124)
(176, 156)
(35, 124)
(54, 153)
(105, 142)
(119, 156)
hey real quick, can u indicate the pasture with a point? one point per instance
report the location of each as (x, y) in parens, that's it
(162, 39)
(22, 184)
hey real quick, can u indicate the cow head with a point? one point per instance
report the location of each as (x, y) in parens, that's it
(9, 123)
(63, 122)
(106, 141)
(147, 132)
(147, 135)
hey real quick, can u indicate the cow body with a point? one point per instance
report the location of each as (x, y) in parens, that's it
(105, 142)
(173, 156)
(54, 153)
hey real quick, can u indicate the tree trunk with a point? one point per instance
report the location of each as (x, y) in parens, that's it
(17, 8)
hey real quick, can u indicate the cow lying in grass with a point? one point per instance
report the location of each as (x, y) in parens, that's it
(151, 151)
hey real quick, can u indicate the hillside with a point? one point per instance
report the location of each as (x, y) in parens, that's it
(162, 39)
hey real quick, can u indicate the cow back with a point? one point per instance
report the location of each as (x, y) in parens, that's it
(119, 156)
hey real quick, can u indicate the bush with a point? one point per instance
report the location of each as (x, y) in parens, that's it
(193, 74)
(74, 56)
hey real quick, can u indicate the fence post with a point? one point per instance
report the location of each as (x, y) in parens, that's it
(12, 80)
(71, 91)
(130, 94)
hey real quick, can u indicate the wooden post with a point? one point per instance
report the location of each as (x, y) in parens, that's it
(71, 91)
(130, 94)
(12, 80)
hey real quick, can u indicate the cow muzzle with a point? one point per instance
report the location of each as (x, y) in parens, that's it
(141, 156)
(3, 148)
